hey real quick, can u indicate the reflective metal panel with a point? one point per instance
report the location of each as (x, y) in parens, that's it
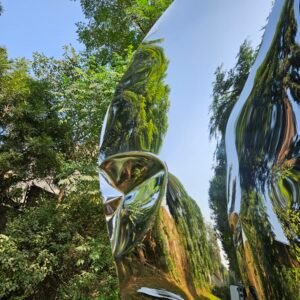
(262, 148)
(199, 167)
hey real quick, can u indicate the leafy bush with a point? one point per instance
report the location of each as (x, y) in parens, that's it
(58, 252)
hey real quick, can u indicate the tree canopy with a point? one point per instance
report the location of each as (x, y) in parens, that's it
(54, 243)
(51, 115)
(114, 25)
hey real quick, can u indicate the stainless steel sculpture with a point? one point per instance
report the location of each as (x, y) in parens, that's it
(156, 160)
(263, 151)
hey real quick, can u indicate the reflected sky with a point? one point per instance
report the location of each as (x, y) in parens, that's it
(212, 36)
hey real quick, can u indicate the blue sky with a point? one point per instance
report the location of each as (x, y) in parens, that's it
(39, 25)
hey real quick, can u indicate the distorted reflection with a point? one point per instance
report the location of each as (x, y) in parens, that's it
(155, 162)
(262, 147)
(137, 118)
(159, 294)
(157, 230)
(141, 177)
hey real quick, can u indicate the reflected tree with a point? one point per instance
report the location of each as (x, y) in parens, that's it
(226, 90)
(168, 244)
(199, 239)
(138, 114)
(179, 253)
(266, 138)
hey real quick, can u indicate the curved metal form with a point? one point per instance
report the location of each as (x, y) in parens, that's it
(190, 216)
(263, 155)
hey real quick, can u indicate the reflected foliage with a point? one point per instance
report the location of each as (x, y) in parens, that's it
(226, 90)
(137, 117)
(158, 235)
(199, 239)
(264, 205)
(179, 253)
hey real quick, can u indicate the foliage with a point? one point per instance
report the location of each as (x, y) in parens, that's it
(267, 147)
(114, 25)
(83, 89)
(51, 116)
(33, 140)
(198, 239)
(226, 90)
(227, 87)
(58, 252)
(268, 158)
(142, 102)
(56, 248)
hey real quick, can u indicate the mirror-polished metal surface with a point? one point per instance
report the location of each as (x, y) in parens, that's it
(182, 136)
(263, 155)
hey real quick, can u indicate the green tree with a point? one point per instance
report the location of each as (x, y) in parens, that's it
(141, 102)
(51, 116)
(227, 88)
(60, 247)
(114, 25)
(83, 90)
(58, 252)
(33, 140)
(50, 123)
